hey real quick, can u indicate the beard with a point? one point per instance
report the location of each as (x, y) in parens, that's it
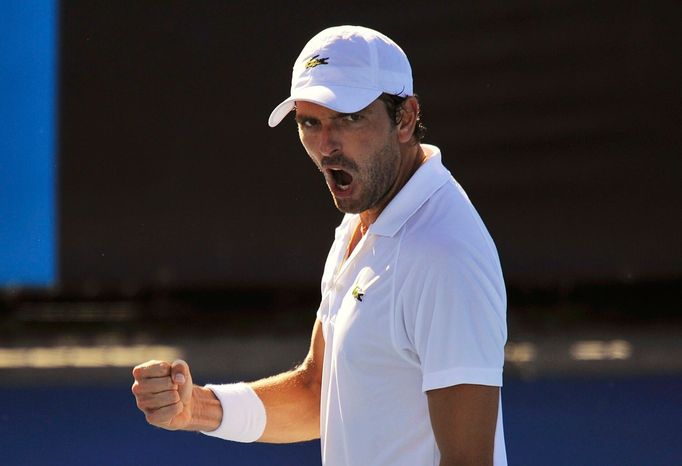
(371, 180)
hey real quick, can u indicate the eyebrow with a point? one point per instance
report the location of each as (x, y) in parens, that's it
(303, 117)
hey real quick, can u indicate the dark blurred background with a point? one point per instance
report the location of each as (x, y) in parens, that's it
(560, 119)
(185, 227)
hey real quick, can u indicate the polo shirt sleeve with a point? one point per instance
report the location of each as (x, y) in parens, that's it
(455, 316)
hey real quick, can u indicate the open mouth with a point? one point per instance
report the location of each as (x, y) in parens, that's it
(341, 178)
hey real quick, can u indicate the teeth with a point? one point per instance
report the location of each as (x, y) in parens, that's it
(343, 187)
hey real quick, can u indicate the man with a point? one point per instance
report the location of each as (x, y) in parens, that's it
(406, 357)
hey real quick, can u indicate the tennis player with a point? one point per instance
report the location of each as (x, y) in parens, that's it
(405, 363)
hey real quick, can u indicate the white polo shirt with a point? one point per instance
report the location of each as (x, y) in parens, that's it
(419, 305)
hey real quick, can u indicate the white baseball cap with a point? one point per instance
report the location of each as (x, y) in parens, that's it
(345, 68)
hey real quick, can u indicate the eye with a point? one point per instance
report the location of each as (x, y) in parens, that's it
(352, 117)
(307, 122)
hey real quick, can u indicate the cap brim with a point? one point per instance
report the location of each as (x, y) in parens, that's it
(338, 98)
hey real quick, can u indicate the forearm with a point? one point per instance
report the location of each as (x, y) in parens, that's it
(292, 406)
(290, 402)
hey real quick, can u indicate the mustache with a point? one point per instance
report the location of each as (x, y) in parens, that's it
(338, 160)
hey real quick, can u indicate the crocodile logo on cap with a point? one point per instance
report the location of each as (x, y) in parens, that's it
(316, 61)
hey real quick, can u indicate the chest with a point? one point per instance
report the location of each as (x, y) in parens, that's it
(358, 309)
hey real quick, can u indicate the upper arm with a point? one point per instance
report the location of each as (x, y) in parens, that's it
(315, 358)
(463, 418)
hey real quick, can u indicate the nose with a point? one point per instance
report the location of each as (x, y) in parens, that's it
(329, 140)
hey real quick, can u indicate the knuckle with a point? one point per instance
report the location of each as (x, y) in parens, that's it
(141, 402)
(152, 368)
(162, 365)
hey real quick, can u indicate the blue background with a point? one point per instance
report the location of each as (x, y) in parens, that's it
(618, 421)
(27, 142)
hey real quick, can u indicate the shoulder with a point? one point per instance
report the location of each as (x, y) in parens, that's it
(447, 248)
(442, 261)
(447, 231)
(443, 234)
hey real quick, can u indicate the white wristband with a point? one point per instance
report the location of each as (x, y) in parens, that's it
(243, 413)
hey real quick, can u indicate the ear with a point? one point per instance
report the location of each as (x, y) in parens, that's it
(410, 112)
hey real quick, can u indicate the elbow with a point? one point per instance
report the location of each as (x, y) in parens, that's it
(311, 376)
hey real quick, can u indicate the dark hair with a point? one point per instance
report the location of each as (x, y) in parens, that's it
(394, 104)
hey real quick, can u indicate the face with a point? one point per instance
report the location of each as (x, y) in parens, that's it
(358, 153)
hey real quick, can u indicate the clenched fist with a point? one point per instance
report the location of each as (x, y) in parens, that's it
(163, 392)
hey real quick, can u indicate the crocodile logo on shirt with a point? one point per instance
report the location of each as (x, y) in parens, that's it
(358, 293)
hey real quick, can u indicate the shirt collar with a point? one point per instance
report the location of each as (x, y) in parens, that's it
(428, 178)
